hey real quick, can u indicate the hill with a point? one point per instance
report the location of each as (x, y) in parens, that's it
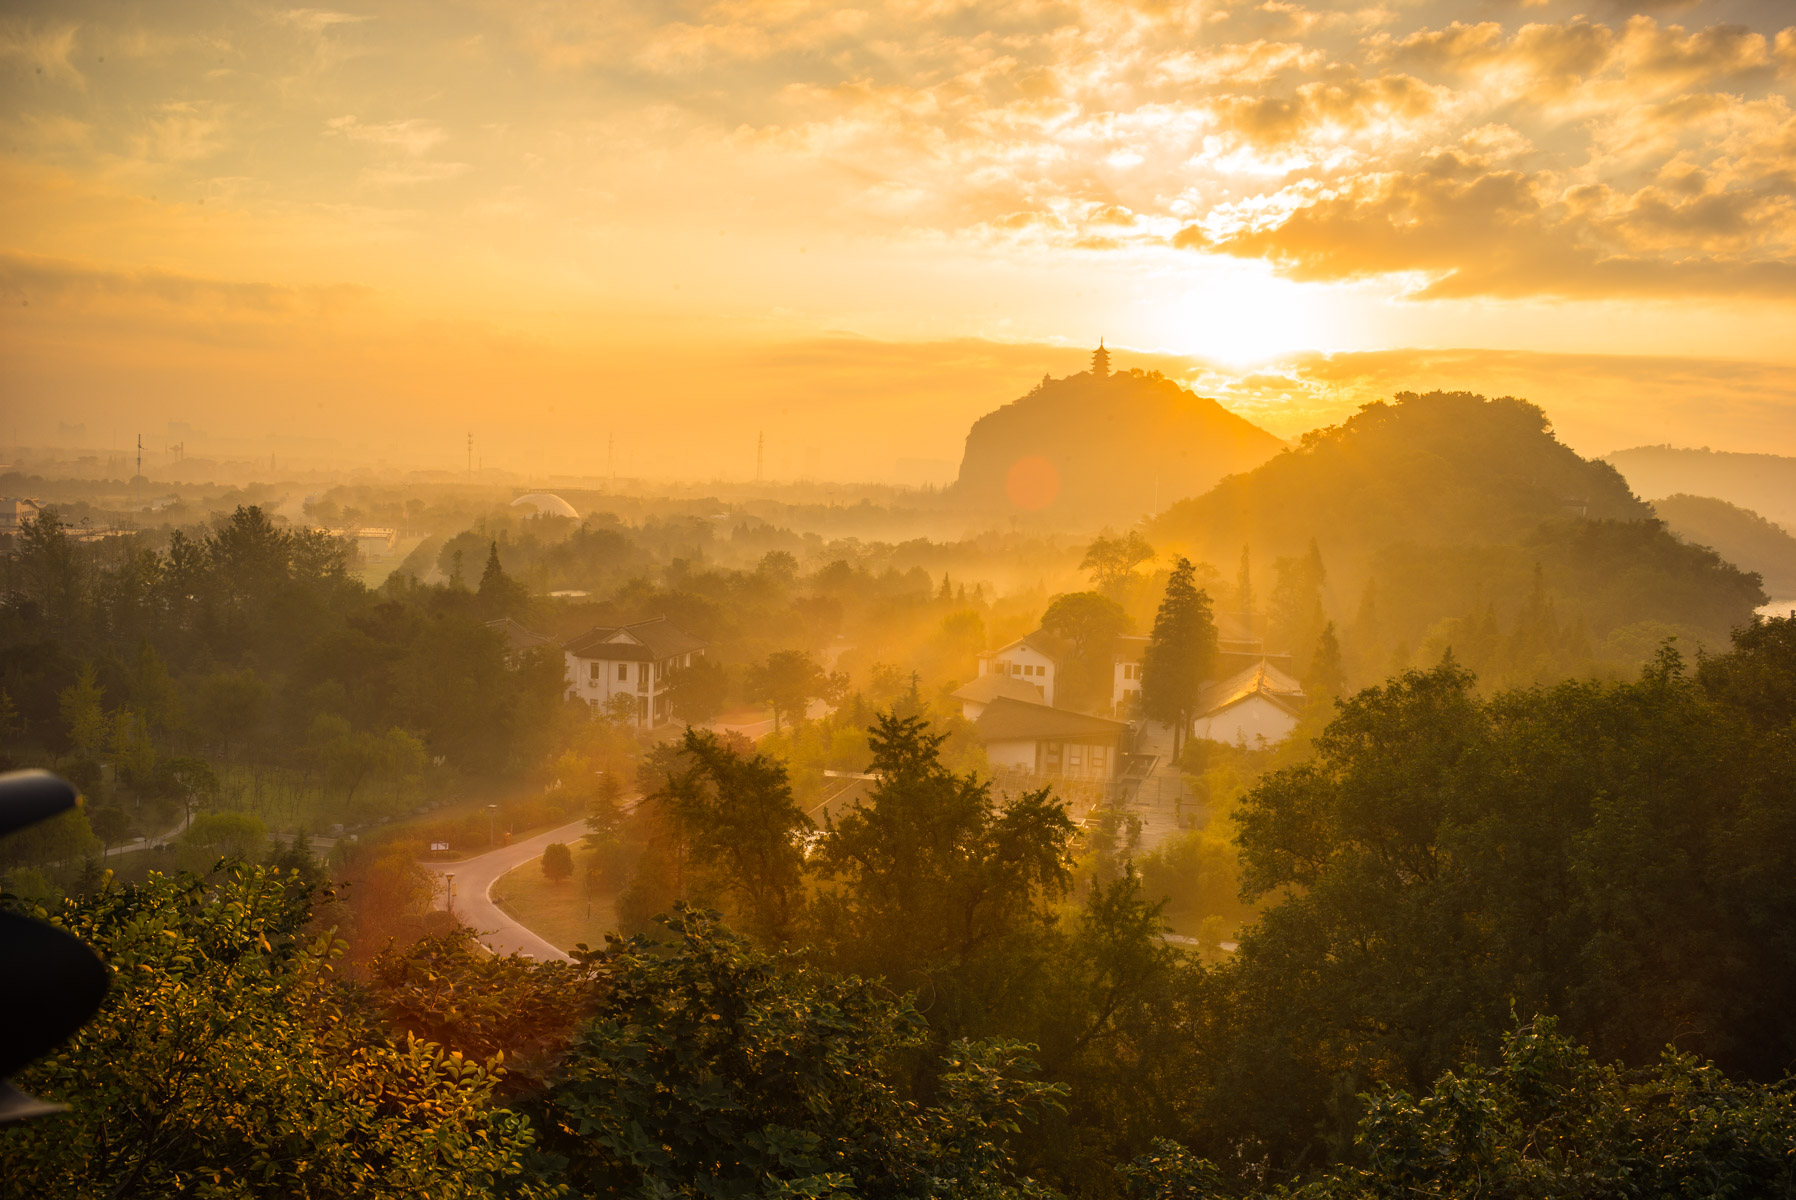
(1738, 534)
(1450, 520)
(1098, 447)
(1764, 483)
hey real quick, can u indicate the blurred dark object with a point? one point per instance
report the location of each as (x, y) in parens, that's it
(52, 983)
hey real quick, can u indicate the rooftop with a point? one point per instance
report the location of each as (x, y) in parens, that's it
(990, 686)
(1008, 720)
(645, 641)
(1260, 679)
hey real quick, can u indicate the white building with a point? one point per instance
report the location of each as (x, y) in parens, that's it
(1259, 702)
(15, 511)
(1050, 741)
(629, 660)
(1031, 658)
(1125, 682)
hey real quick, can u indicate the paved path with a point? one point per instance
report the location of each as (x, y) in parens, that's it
(474, 878)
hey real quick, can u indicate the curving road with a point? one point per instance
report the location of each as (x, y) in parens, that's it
(474, 878)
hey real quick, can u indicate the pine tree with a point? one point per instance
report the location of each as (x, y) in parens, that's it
(1326, 678)
(1181, 653)
(1244, 587)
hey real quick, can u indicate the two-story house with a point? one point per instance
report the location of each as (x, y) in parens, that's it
(629, 660)
(1033, 658)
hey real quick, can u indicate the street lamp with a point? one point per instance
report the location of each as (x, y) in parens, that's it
(492, 824)
(450, 877)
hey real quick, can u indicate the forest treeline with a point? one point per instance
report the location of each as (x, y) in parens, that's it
(1484, 920)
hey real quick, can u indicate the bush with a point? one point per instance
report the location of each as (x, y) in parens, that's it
(558, 861)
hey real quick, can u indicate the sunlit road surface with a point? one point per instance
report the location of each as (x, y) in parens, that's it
(474, 879)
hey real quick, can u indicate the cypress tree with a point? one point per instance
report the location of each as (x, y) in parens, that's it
(1181, 653)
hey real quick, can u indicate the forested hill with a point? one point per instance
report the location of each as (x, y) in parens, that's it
(1449, 519)
(1099, 448)
(1764, 483)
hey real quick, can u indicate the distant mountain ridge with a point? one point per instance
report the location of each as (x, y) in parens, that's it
(1738, 534)
(1764, 483)
(1103, 447)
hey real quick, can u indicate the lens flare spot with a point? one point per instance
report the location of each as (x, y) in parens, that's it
(1032, 483)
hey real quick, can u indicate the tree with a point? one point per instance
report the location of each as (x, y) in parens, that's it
(1091, 622)
(226, 835)
(1180, 655)
(1326, 678)
(83, 715)
(226, 1059)
(229, 706)
(1112, 561)
(558, 861)
(736, 814)
(933, 878)
(1546, 1120)
(1294, 615)
(786, 682)
(696, 693)
(713, 1069)
(500, 595)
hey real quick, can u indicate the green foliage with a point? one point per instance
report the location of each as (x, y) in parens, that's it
(1180, 655)
(558, 861)
(1739, 535)
(1090, 623)
(1442, 506)
(1602, 852)
(226, 1062)
(712, 1069)
(1547, 1121)
(1112, 561)
(83, 715)
(697, 693)
(447, 989)
(226, 835)
(736, 815)
(933, 876)
(786, 682)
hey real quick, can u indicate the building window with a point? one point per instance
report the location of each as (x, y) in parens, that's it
(1097, 758)
(1072, 755)
(1016, 668)
(623, 671)
(593, 672)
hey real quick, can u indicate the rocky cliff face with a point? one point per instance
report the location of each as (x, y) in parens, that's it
(1091, 448)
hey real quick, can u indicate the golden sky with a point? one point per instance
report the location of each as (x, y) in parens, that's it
(857, 227)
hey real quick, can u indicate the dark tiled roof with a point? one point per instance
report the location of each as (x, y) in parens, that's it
(991, 685)
(645, 641)
(1042, 642)
(1007, 720)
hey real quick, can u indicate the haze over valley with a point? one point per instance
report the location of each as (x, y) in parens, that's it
(1186, 601)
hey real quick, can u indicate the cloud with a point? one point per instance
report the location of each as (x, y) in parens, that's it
(1471, 230)
(45, 49)
(413, 137)
(59, 284)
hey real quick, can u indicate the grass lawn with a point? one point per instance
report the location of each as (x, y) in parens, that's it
(560, 913)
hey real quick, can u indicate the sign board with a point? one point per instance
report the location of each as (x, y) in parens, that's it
(435, 846)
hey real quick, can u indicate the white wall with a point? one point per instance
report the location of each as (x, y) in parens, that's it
(1020, 755)
(1030, 666)
(1249, 721)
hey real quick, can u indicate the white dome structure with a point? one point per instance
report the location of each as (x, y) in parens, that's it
(547, 504)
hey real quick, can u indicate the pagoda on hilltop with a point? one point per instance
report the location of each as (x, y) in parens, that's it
(1100, 361)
